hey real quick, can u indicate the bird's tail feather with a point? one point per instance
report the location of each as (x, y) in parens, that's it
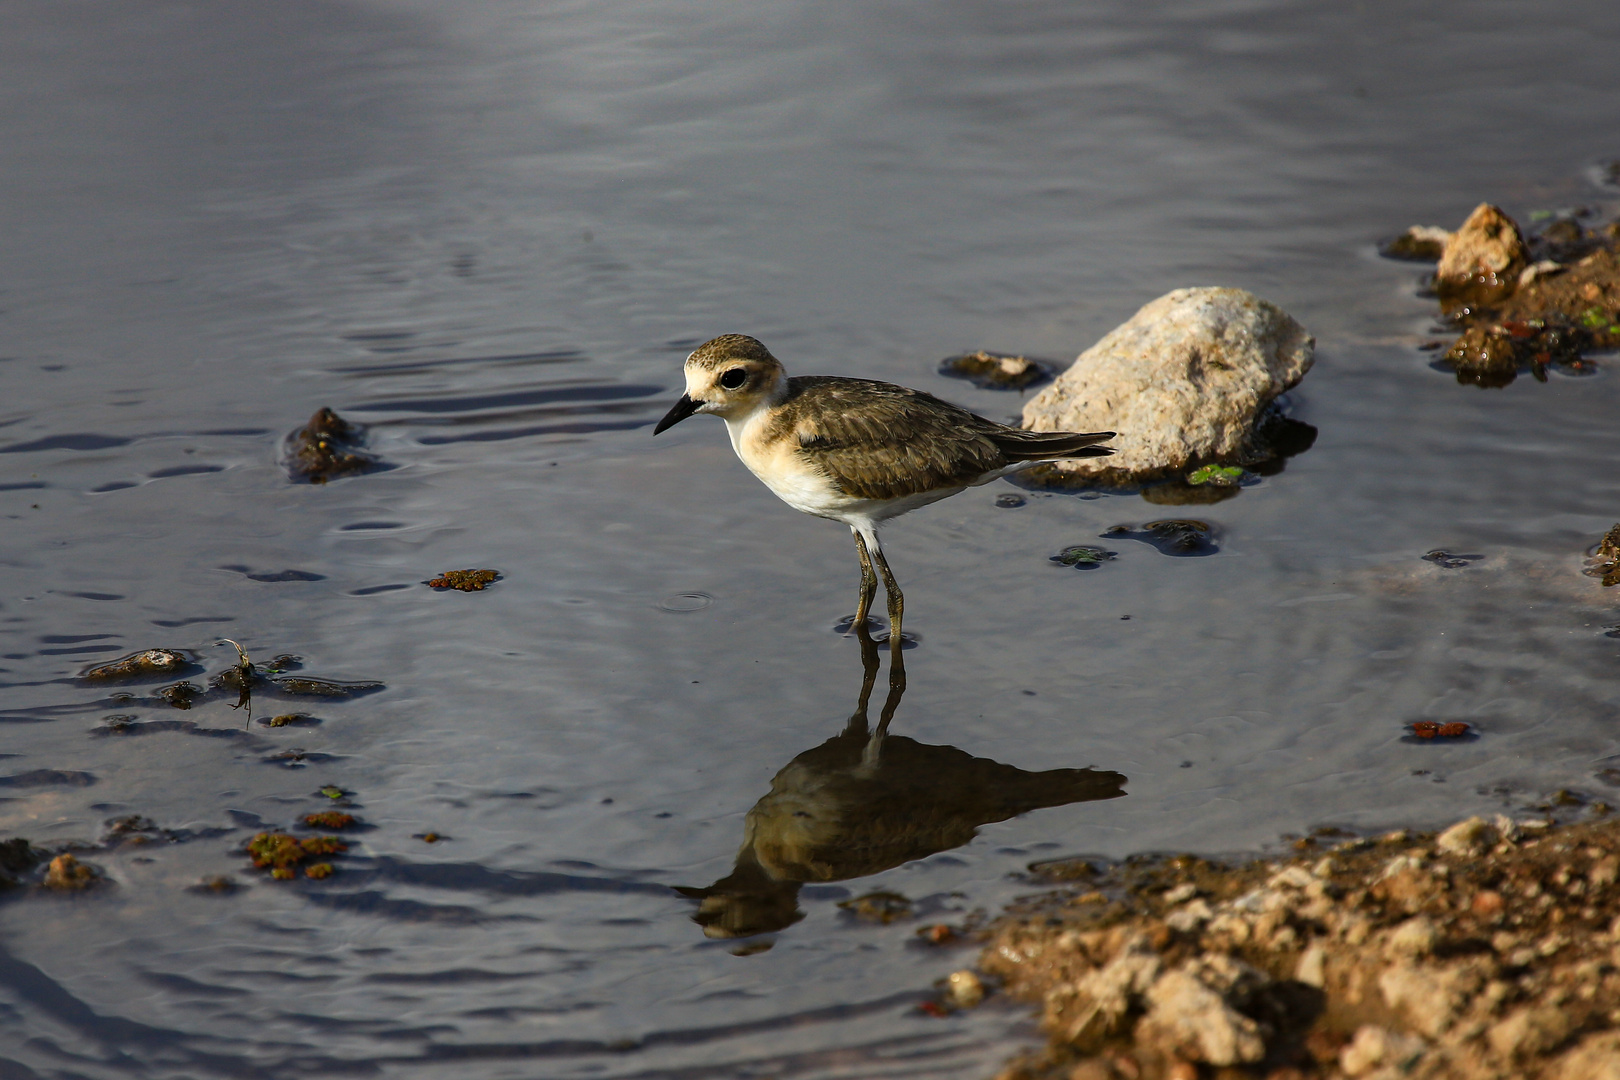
(1051, 445)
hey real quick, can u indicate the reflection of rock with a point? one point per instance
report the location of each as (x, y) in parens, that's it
(1420, 243)
(1184, 382)
(862, 803)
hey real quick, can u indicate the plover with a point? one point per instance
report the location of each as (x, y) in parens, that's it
(854, 450)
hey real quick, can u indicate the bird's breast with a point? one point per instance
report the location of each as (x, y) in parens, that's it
(773, 455)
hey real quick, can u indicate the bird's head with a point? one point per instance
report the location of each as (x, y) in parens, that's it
(729, 376)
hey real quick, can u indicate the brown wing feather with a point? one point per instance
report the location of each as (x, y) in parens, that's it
(880, 441)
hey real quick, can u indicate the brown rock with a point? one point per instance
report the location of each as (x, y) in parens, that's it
(1484, 257)
(1190, 1013)
(68, 874)
(1597, 1057)
(1530, 1030)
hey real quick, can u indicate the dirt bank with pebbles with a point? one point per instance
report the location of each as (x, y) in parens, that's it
(1489, 950)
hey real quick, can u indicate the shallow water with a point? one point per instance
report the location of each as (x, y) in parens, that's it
(491, 232)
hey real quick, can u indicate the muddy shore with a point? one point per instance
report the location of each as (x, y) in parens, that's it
(1488, 950)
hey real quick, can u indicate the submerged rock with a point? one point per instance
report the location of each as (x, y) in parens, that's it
(1083, 557)
(1171, 537)
(181, 695)
(464, 580)
(995, 371)
(68, 874)
(146, 664)
(1184, 382)
(17, 857)
(327, 448)
(1605, 560)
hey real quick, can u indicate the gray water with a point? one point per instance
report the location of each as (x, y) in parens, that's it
(492, 231)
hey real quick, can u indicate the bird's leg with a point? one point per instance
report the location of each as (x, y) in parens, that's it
(897, 608)
(868, 582)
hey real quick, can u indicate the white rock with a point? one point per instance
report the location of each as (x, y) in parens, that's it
(1189, 917)
(964, 988)
(1414, 937)
(1182, 381)
(1292, 877)
(1466, 838)
(1185, 891)
(1312, 968)
(1375, 1046)
(1194, 1019)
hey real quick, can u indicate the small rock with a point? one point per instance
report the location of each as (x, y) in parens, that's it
(1179, 537)
(464, 580)
(1414, 937)
(68, 874)
(1184, 380)
(1083, 557)
(995, 371)
(327, 448)
(1466, 838)
(1185, 891)
(1605, 560)
(1597, 1057)
(881, 907)
(1484, 356)
(1375, 1047)
(1544, 268)
(1312, 967)
(1189, 917)
(1189, 1017)
(1429, 998)
(139, 665)
(964, 989)
(1485, 257)
(1531, 1030)
(1420, 243)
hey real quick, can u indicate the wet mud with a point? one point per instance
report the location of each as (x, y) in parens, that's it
(1487, 950)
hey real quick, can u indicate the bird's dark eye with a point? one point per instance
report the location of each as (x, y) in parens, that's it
(734, 378)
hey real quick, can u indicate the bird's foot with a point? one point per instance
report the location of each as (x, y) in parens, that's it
(874, 626)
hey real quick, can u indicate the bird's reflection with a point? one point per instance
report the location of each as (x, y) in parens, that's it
(865, 801)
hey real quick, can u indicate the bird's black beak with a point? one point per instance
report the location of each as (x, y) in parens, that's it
(683, 408)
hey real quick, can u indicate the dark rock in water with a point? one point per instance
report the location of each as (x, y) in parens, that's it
(1605, 558)
(1083, 557)
(17, 857)
(1420, 243)
(181, 694)
(1010, 502)
(464, 580)
(148, 663)
(995, 371)
(291, 720)
(879, 907)
(330, 688)
(1449, 560)
(327, 448)
(1180, 538)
